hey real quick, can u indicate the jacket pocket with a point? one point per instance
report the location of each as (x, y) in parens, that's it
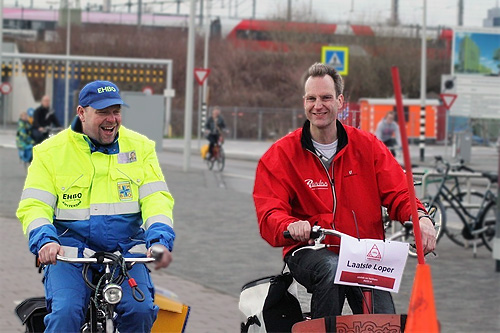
(127, 182)
(73, 191)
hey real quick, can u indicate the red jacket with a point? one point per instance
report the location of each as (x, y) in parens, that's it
(292, 184)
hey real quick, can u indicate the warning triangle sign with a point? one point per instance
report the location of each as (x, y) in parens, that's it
(448, 99)
(374, 253)
(201, 74)
(335, 61)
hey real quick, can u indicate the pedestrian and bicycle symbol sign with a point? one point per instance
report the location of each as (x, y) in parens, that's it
(337, 57)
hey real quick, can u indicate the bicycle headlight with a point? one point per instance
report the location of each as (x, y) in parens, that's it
(113, 293)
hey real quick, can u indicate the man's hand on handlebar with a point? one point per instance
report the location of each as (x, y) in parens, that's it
(300, 231)
(428, 233)
(162, 255)
(48, 253)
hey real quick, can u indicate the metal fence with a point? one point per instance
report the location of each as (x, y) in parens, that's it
(251, 123)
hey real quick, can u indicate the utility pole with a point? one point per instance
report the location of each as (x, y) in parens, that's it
(188, 111)
(423, 78)
(394, 13)
(178, 6)
(201, 13)
(254, 2)
(139, 13)
(460, 13)
(289, 11)
(66, 78)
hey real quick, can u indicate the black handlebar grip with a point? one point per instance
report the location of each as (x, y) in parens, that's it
(314, 234)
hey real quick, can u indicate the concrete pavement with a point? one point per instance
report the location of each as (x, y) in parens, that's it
(218, 249)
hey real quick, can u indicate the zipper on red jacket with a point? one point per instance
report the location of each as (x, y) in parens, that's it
(330, 179)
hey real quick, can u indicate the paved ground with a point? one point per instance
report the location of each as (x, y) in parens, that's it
(218, 249)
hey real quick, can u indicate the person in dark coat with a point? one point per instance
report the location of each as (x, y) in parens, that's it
(42, 119)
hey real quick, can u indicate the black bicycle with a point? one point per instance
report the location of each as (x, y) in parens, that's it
(476, 210)
(217, 157)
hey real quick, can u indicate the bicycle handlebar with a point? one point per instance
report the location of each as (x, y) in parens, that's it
(317, 232)
(103, 261)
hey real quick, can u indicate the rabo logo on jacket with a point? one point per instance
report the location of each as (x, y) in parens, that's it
(316, 185)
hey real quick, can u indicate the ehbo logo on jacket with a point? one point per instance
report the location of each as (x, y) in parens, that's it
(72, 200)
(318, 185)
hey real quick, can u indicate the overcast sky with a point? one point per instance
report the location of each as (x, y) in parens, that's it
(439, 12)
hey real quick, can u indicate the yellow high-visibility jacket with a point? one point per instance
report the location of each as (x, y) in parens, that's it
(108, 197)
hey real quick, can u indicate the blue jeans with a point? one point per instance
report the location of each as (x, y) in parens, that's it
(315, 270)
(68, 296)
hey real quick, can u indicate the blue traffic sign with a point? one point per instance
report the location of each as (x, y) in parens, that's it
(337, 57)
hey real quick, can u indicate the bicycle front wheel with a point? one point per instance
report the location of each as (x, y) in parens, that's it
(210, 163)
(221, 159)
(487, 223)
(460, 233)
(438, 214)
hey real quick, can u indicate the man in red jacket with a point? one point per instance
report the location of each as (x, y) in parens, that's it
(338, 177)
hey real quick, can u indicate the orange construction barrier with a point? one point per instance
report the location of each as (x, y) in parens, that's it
(422, 315)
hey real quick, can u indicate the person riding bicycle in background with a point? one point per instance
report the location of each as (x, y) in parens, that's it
(43, 118)
(214, 127)
(338, 177)
(388, 132)
(96, 186)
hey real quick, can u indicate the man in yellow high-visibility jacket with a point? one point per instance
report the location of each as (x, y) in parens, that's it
(97, 186)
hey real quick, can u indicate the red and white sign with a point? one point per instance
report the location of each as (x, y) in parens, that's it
(371, 262)
(448, 99)
(5, 88)
(147, 90)
(201, 74)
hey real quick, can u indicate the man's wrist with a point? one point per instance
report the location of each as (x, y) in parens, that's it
(427, 216)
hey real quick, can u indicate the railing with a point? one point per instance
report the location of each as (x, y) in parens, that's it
(467, 176)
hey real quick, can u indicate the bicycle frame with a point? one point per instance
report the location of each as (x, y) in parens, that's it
(103, 299)
(217, 155)
(373, 321)
(319, 234)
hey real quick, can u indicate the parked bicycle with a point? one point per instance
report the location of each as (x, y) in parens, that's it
(103, 273)
(476, 210)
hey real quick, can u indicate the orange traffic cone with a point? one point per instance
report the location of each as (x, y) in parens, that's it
(422, 311)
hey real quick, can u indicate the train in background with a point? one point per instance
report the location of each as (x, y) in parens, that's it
(259, 35)
(251, 34)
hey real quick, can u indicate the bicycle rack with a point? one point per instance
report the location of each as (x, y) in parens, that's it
(468, 176)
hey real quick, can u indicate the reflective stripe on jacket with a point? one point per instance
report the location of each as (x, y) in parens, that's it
(103, 199)
(292, 184)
